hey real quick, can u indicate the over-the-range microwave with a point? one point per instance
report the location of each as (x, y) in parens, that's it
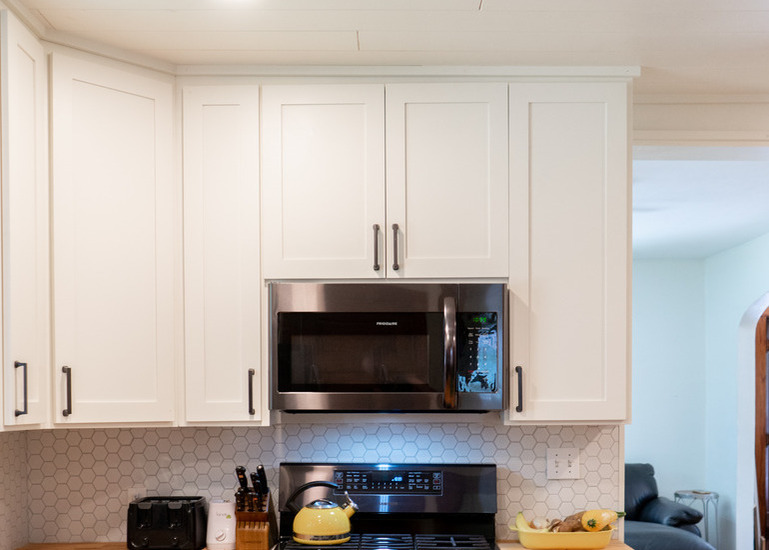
(387, 347)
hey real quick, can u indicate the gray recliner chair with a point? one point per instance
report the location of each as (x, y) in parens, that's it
(653, 522)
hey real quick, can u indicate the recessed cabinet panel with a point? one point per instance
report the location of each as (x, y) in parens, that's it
(569, 252)
(447, 178)
(221, 254)
(323, 169)
(113, 244)
(25, 225)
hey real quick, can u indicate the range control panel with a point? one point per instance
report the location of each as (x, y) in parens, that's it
(384, 482)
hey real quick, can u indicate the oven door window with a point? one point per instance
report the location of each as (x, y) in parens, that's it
(360, 352)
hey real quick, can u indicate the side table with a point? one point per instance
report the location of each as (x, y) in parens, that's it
(706, 498)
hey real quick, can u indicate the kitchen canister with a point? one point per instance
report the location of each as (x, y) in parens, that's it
(221, 525)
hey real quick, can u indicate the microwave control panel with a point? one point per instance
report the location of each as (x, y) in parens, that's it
(380, 482)
(477, 353)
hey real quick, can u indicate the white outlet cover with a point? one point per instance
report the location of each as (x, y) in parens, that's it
(563, 463)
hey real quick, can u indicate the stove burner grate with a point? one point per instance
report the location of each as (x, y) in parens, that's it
(400, 542)
(469, 542)
(386, 542)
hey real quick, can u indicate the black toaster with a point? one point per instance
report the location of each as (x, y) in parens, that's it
(167, 523)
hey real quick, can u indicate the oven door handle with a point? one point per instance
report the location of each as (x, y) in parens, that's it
(449, 352)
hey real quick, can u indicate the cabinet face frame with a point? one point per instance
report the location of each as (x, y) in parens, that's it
(221, 245)
(113, 288)
(26, 302)
(569, 252)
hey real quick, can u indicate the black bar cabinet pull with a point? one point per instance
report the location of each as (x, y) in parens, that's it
(16, 365)
(68, 373)
(376, 247)
(396, 267)
(519, 373)
(251, 409)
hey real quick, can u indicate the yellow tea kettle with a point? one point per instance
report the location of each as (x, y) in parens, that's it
(322, 521)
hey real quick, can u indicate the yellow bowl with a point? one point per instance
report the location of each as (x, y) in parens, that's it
(564, 541)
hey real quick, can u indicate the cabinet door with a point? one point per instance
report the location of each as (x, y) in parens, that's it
(323, 181)
(221, 254)
(447, 179)
(569, 251)
(25, 225)
(113, 253)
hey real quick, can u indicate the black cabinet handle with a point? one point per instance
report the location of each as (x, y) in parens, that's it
(16, 365)
(396, 267)
(519, 373)
(68, 373)
(251, 409)
(376, 247)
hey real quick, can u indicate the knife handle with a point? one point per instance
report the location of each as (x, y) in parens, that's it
(240, 471)
(262, 479)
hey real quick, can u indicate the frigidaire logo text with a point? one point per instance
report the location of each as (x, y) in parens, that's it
(387, 323)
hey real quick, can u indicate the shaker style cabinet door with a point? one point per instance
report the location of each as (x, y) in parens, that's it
(224, 381)
(447, 180)
(24, 164)
(113, 243)
(323, 181)
(569, 252)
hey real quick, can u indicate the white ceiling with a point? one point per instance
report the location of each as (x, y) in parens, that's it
(687, 204)
(682, 46)
(693, 202)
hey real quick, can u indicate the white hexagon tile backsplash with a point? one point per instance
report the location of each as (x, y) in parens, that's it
(13, 490)
(79, 479)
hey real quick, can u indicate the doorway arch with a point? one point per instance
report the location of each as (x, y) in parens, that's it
(746, 499)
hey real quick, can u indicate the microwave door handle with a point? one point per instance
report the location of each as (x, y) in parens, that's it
(450, 352)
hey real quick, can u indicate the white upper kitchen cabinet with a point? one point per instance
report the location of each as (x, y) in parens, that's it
(569, 252)
(329, 211)
(26, 362)
(447, 180)
(323, 181)
(113, 243)
(224, 379)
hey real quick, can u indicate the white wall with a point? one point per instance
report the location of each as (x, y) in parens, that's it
(734, 280)
(669, 385)
(693, 400)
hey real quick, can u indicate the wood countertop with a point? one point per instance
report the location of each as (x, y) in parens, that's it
(503, 545)
(76, 546)
(515, 545)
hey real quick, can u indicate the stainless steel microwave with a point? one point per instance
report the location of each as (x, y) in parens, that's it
(387, 347)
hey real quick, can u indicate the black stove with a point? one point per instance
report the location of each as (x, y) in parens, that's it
(400, 506)
(401, 542)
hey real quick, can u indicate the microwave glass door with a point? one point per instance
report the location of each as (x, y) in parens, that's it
(360, 352)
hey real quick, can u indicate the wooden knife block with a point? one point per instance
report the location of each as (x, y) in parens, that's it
(256, 530)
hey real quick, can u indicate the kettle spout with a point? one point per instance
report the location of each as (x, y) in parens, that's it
(349, 507)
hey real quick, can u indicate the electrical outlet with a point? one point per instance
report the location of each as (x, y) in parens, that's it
(563, 463)
(133, 493)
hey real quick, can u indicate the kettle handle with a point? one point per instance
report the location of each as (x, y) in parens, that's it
(291, 505)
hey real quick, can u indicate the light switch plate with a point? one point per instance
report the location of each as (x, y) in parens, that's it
(563, 463)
